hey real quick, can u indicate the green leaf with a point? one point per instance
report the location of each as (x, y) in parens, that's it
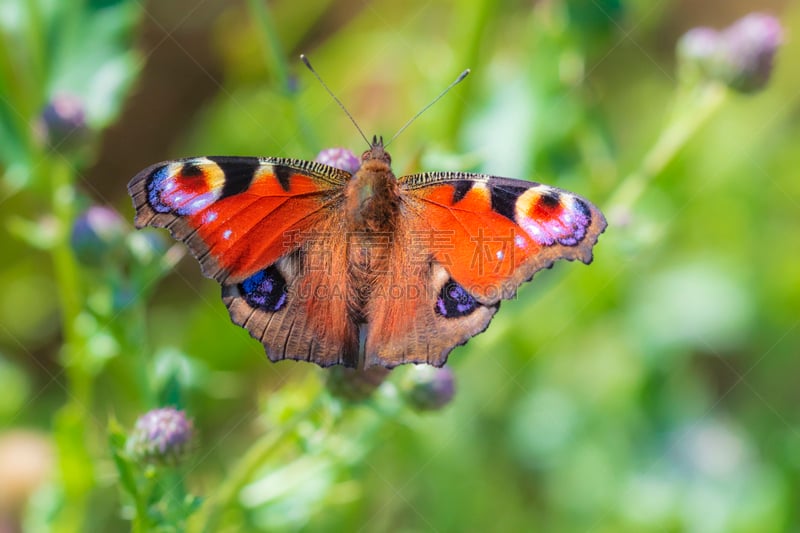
(40, 234)
(125, 470)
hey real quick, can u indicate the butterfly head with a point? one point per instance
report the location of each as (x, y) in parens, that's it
(376, 152)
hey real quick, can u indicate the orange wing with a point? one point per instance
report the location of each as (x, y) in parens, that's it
(464, 242)
(253, 223)
(492, 234)
(236, 214)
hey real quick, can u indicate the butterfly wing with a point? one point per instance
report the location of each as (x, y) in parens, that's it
(253, 224)
(480, 237)
(496, 233)
(421, 313)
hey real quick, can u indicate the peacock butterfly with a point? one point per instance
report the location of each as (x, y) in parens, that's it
(362, 268)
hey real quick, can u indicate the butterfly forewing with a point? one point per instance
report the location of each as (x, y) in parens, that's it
(235, 213)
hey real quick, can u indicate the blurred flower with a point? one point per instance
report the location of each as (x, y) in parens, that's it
(98, 233)
(710, 448)
(750, 47)
(292, 84)
(341, 158)
(740, 56)
(427, 388)
(354, 384)
(161, 436)
(26, 462)
(698, 48)
(146, 246)
(62, 123)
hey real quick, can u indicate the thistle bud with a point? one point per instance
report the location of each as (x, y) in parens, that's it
(696, 51)
(97, 234)
(427, 388)
(740, 56)
(750, 47)
(161, 436)
(63, 122)
(353, 384)
(341, 158)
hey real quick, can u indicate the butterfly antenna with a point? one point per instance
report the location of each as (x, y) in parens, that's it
(307, 63)
(415, 117)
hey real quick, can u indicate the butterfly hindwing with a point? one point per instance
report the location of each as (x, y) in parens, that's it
(422, 313)
(249, 223)
(297, 307)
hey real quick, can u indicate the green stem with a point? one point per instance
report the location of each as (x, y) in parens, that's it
(71, 421)
(35, 41)
(474, 18)
(275, 58)
(12, 89)
(138, 342)
(692, 110)
(138, 525)
(66, 273)
(135, 337)
(225, 497)
(274, 55)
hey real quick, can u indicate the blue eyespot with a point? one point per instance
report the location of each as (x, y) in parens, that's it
(454, 301)
(158, 185)
(265, 290)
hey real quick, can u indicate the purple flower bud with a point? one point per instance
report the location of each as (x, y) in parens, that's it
(750, 45)
(353, 384)
(427, 388)
(741, 56)
(161, 436)
(97, 235)
(63, 122)
(698, 48)
(341, 158)
(292, 84)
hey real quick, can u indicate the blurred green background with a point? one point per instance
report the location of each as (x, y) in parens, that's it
(655, 390)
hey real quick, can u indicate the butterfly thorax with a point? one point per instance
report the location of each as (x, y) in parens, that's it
(372, 196)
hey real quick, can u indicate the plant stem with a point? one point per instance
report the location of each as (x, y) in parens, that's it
(275, 58)
(34, 41)
(274, 55)
(474, 17)
(225, 496)
(692, 110)
(71, 425)
(68, 280)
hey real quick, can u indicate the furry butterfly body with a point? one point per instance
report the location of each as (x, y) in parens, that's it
(362, 269)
